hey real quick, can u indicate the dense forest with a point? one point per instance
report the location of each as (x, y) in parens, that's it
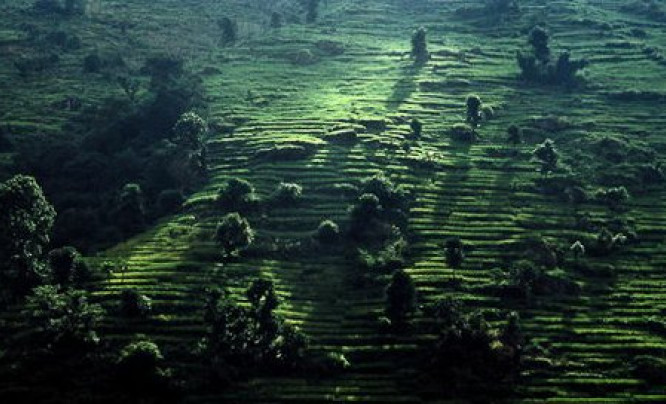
(306, 201)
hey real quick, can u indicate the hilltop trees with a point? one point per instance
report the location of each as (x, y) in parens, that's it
(26, 219)
(420, 47)
(536, 65)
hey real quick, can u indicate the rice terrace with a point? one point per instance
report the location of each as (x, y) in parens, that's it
(310, 201)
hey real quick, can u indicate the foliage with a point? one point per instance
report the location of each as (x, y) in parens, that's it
(237, 194)
(546, 156)
(250, 339)
(468, 351)
(416, 127)
(400, 298)
(62, 320)
(514, 134)
(26, 219)
(328, 232)
(613, 197)
(473, 110)
(67, 267)
(140, 369)
(233, 234)
(229, 30)
(420, 47)
(454, 252)
(287, 194)
(536, 65)
(133, 304)
(461, 132)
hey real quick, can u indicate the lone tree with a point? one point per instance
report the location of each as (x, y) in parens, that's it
(26, 219)
(311, 10)
(539, 38)
(236, 194)
(455, 253)
(189, 131)
(233, 234)
(420, 47)
(547, 156)
(514, 134)
(139, 368)
(474, 110)
(400, 298)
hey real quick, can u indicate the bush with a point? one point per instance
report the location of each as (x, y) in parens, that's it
(547, 156)
(233, 234)
(133, 304)
(473, 110)
(139, 369)
(612, 197)
(400, 298)
(328, 232)
(417, 128)
(515, 134)
(287, 194)
(536, 65)
(229, 30)
(420, 47)
(63, 320)
(237, 194)
(189, 131)
(454, 252)
(169, 201)
(461, 132)
(67, 267)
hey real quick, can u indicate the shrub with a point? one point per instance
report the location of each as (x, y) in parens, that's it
(169, 201)
(237, 194)
(649, 368)
(139, 369)
(461, 132)
(473, 110)
(311, 10)
(133, 304)
(287, 194)
(612, 197)
(400, 298)
(130, 212)
(62, 320)
(328, 232)
(537, 66)
(67, 267)
(515, 134)
(417, 128)
(233, 233)
(420, 47)
(189, 131)
(92, 63)
(454, 252)
(547, 156)
(229, 30)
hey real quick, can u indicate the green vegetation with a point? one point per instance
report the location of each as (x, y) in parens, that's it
(280, 201)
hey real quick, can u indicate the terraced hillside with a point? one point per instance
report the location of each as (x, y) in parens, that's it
(480, 191)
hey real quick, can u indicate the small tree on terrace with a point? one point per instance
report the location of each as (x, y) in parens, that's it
(233, 234)
(400, 298)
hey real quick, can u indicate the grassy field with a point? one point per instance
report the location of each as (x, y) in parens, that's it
(459, 189)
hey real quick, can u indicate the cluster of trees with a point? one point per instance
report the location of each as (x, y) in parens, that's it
(469, 352)
(537, 66)
(255, 340)
(127, 162)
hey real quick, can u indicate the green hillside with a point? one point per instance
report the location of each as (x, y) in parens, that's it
(274, 97)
